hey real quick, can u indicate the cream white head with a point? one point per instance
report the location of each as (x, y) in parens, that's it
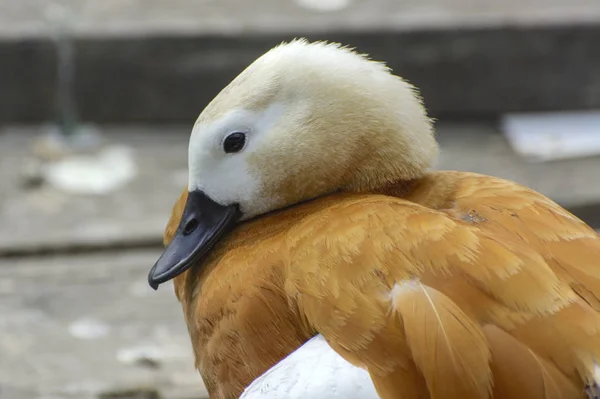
(310, 119)
(303, 120)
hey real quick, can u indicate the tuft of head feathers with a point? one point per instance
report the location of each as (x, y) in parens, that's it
(318, 118)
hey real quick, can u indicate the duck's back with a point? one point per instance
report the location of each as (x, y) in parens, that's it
(467, 254)
(516, 214)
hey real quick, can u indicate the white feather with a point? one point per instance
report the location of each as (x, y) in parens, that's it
(313, 371)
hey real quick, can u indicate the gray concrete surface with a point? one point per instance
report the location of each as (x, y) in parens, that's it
(46, 218)
(79, 327)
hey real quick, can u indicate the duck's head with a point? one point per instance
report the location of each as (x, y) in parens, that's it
(304, 120)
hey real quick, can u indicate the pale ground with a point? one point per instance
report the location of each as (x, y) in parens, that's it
(230, 17)
(82, 325)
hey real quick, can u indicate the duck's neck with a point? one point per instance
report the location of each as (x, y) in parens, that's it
(399, 188)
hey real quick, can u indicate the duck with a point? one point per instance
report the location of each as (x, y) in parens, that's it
(315, 250)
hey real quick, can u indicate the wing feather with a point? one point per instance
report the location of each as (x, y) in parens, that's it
(447, 346)
(472, 275)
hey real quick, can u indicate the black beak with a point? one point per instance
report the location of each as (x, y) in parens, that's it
(203, 223)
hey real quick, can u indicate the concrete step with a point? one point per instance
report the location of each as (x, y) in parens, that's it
(90, 327)
(45, 219)
(157, 61)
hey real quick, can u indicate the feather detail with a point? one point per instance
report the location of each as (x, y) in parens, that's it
(402, 383)
(519, 373)
(447, 346)
(513, 274)
(569, 338)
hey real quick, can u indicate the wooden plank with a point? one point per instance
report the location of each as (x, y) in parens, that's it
(73, 326)
(29, 18)
(165, 60)
(480, 148)
(48, 220)
(38, 220)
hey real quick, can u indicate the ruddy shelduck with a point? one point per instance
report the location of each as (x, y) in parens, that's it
(316, 256)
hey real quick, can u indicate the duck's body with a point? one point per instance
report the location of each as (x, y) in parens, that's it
(438, 284)
(253, 303)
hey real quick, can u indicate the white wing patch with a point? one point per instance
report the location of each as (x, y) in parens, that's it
(313, 371)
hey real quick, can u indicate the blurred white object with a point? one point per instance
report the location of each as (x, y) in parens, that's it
(89, 328)
(540, 137)
(100, 173)
(141, 353)
(313, 371)
(53, 145)
(324, 5)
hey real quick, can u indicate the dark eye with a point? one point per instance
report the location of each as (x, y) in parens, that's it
(234, 142)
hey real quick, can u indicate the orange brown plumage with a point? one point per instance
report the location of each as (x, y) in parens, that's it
(500, 264)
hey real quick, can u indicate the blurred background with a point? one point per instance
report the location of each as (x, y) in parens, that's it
(97, 99)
